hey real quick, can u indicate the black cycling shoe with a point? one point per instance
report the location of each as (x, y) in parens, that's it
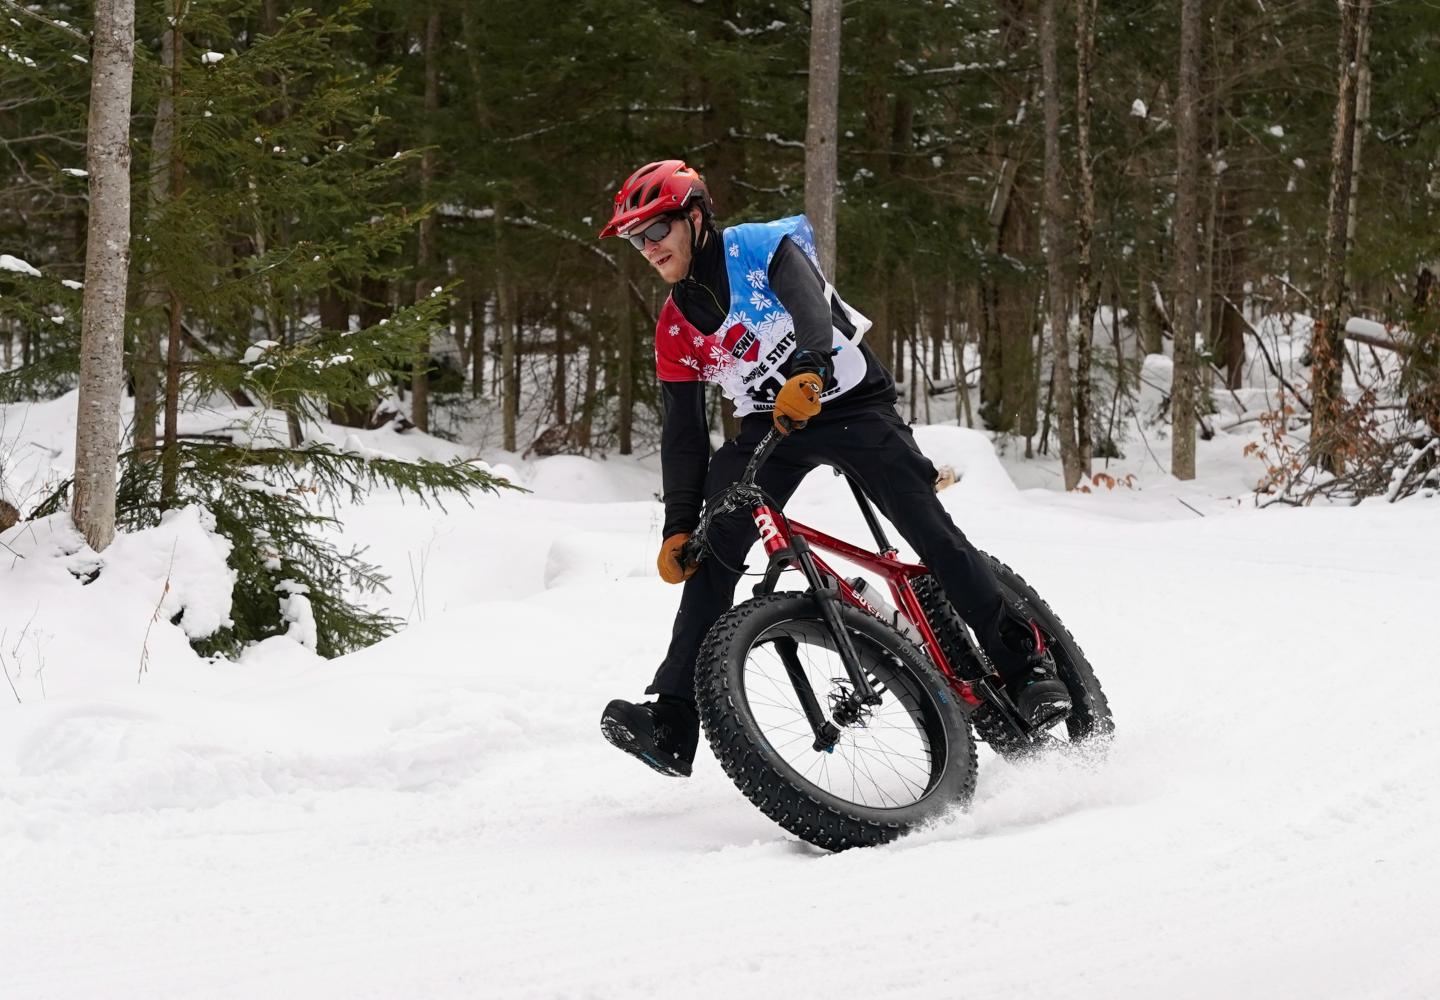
(662, 733)
(1040, 696)
(1029, 671)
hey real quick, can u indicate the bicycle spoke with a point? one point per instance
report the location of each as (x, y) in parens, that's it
(884, 760)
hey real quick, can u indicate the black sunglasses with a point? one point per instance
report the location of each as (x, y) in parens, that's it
(655, 232)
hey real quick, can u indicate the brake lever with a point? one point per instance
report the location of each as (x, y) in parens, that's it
(692, 552)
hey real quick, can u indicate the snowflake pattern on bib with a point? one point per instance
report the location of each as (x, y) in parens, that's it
(747, 353)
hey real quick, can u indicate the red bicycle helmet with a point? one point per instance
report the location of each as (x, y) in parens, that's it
(662, 186)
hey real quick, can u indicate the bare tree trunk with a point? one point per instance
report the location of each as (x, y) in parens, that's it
(1147, 323)
(1030, 422)
(505, 315)
(460, 324)
(420, 376)
(1088, 284)
(1327, 341)
(477, 345)
(562, 320)
(1226, 333)
(1056, 295)
(917, 369)
(170, 452)
(625, 334)
(1362, 122)
(1187, 154)
(963, 415)
(1225, 273)
(147, 359)
(592, 378)
(516, 367)
(820, 129)
(1007, 296)
(470, 31)
(107, 261)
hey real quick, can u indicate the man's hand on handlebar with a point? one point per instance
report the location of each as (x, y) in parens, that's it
(681, 553)
(673, 566)
(798, 401)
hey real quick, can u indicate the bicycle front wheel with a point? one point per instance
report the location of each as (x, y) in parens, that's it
(898, 764)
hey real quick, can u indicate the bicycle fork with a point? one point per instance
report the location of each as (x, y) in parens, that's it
(850, 707)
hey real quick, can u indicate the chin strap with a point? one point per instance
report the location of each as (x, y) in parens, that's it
(697, 239)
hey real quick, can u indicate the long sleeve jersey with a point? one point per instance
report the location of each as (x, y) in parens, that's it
(701, 299)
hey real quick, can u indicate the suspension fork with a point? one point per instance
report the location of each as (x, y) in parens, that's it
(826, 733)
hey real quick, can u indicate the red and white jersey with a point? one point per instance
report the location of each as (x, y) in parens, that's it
(746, 354)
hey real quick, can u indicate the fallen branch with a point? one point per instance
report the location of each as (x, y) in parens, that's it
(1404, 478)
(1355, 330)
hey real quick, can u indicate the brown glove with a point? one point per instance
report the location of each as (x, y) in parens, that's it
(668, 561)
(798, 401)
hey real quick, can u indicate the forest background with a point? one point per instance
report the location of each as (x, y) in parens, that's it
(385, 213)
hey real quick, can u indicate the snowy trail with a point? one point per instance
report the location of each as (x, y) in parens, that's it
(438, 815)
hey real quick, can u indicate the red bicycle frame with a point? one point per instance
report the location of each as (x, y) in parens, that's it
(776, 535)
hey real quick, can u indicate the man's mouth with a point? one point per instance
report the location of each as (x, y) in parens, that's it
(660, 261)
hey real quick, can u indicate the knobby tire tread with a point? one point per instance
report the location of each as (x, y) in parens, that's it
(1092, 710)
(769, 789)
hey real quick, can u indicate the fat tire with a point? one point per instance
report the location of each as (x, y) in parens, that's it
(767, 781)
(1090, 717)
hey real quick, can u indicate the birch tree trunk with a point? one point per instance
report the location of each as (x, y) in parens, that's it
(1328, 340)
(1056, 296)
(820, 128)
(420, 374)
(1187, 249)
(1088, 284)
(107, 262)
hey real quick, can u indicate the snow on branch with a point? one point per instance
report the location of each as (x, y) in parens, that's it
(58, 25)
(633, 109)
(771, 137)
(9, 263)
(750, 32)
(972, 67)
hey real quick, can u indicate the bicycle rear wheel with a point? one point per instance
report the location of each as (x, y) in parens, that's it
(1089, 722)
(901, 763)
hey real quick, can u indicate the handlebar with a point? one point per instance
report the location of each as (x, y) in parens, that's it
(693, 551)
(762, 452)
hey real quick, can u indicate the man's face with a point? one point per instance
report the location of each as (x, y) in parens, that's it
(671, 255)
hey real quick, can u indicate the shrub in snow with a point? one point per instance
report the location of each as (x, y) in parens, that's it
(270, 505)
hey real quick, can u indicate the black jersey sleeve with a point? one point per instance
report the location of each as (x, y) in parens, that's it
(684, 454)
(798, 287)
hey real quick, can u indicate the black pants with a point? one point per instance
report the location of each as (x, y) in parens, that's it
(874, 447)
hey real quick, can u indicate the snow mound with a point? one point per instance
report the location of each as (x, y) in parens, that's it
(78, 621)
(593, 557)
(584, 480)
(970, 453)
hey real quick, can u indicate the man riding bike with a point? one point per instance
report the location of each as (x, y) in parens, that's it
(750, 310)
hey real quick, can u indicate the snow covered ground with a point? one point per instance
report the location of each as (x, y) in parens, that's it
(438, 815)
